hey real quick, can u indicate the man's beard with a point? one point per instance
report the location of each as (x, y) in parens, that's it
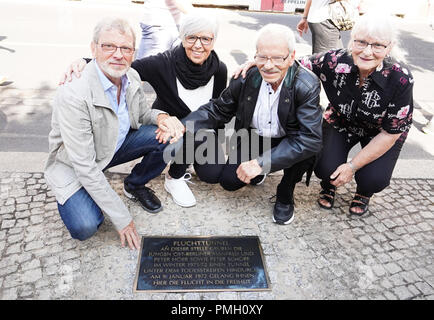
(105, 66)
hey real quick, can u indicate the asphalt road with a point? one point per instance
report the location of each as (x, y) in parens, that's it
(39, 39)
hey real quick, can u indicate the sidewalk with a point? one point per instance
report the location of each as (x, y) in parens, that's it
(321, 255)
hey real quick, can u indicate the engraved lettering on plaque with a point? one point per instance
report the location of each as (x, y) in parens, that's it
(201, 264)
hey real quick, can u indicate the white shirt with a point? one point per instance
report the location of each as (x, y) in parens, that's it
(319, 11)
(265, 118)
(196, 97)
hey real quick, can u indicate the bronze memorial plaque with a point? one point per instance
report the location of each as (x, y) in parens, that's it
(179, 264)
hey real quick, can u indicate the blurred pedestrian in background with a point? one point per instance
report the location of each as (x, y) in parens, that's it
(160, 22)
(316, 16)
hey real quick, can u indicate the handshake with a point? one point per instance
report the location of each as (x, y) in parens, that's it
(169, 127)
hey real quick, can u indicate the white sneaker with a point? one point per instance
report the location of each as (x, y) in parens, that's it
(180, 191)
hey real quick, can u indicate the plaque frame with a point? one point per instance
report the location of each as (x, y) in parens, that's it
(261, 253)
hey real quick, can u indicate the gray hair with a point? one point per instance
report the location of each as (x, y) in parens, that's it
(278, 30)
(196, 22)
(375, 25)
(107, 24)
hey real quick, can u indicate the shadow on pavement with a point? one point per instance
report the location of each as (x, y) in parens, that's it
(4, 48)
(25, 117)
(419, 54)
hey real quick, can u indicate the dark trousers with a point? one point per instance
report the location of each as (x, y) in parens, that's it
(372, 178)
(285, 190)
(206, 155)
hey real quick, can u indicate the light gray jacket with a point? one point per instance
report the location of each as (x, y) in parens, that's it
(83, 139)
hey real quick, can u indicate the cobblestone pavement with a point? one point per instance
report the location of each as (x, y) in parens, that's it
(321, 255)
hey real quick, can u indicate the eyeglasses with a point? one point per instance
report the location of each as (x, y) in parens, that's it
(206, 41)
(111, 48)
(277, 61)
(375, 47)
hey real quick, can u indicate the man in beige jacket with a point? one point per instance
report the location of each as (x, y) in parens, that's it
(101, 120)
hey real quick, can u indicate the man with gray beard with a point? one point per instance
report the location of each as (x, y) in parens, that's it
(101, 120)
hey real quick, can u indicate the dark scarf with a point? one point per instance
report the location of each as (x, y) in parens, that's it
(193, 75)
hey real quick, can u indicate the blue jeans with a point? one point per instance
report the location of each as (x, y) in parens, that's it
(81, 215)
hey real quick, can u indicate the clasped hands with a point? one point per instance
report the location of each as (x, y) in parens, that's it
(169, 127)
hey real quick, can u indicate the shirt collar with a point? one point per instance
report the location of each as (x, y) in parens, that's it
(382, 73)
(379, 76)
(268, 85)
(106, 83)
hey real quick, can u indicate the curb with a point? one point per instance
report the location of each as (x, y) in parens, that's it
(35, 162)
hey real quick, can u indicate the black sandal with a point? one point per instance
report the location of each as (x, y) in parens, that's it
(359, 202)
(329, 196)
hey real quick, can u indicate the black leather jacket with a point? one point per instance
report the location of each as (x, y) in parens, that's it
(299, 114)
